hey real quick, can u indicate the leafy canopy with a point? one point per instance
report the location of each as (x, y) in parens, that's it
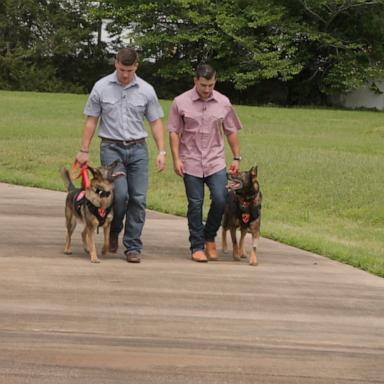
(334, 45)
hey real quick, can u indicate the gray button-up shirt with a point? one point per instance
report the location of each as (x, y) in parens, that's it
(122, 108)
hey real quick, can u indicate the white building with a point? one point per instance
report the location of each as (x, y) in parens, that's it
(364, 97)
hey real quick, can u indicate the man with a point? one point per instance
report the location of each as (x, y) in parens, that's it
(120, 101)
(197, 121)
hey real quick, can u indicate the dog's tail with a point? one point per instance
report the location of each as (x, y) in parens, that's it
(67, 180)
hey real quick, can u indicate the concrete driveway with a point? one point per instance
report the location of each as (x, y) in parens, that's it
(295, 318)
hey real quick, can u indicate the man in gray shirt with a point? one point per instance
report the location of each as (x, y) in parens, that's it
(119, 102)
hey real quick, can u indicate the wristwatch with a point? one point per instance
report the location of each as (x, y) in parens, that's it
(238, 158)
(162, 153)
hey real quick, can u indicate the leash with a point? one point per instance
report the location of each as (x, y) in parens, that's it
(85, 182)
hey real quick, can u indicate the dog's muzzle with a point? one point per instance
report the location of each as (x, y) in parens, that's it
(234, 183)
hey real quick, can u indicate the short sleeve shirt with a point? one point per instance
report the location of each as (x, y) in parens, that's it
(122, 109)
(202, 125)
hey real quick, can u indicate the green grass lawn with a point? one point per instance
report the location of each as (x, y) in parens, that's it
(321, 170)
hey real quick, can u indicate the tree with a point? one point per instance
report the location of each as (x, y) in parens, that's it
(293, 51)
(314, 46)
(49, 45)
(244, 39)
(340, 41)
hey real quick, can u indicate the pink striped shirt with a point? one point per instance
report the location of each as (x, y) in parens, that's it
(201, 125)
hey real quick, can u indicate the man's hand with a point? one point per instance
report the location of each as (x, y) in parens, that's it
(82, 157)
(178, 167)
(234, 167)
(160, 162)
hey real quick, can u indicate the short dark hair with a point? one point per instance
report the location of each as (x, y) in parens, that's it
(127, 56)
(206, 71)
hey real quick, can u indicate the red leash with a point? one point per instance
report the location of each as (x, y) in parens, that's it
(85, 182)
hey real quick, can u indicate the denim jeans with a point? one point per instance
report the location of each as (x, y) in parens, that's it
(130, 193)
(194, 188)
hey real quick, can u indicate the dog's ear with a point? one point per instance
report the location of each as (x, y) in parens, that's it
(113, 164)
(111, 174)
(115, 175)
(92, 170)
(96, 173)
(253, 171)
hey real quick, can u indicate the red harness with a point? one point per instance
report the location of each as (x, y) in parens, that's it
(249, 210)
(80, 199)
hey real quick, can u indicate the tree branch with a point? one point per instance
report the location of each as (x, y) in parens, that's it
(334, 11)
(313, 13)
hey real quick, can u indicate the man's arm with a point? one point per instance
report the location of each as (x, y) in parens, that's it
(234, 144)
(158, 135)
(174, 140)
(88, 133)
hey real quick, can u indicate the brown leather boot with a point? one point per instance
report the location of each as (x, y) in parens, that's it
(210, 250)
(113, 242)
(199, 256)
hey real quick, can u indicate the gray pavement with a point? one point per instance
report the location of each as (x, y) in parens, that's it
(295, 318)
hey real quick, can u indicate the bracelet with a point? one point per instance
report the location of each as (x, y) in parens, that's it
(83, 151)
(238, 158)
(162, 153)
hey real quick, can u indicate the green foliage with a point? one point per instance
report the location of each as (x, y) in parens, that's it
(322, 46)
(246, 44)
(49, 45)
(288, 52)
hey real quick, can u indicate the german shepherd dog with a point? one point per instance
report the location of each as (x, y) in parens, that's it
(243, 210)
(92, 206)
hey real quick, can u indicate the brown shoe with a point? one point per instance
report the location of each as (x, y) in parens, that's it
(199, 256)
(210, 250)
(133, 256)
(113, 242)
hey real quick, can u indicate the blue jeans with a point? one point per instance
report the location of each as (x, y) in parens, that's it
(194, 188)
(130, 194)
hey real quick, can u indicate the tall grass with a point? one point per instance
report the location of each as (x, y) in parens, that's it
(321, 170)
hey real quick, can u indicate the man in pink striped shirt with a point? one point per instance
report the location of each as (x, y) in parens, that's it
(198, 121)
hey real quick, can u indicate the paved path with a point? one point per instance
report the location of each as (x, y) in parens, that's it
(295, 318)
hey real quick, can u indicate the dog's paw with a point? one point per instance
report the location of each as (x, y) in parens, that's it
(96, 261)
(67, 252)
(253, 260)
(236, 258)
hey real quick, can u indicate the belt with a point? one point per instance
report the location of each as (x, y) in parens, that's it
(125, 143)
